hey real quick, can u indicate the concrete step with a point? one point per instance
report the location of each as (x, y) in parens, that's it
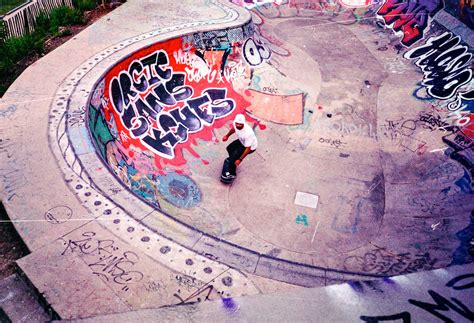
(18, 302)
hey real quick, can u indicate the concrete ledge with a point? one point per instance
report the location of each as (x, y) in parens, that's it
(448, 21)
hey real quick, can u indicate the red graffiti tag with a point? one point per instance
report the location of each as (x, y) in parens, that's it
(157, 107)
(409, 17)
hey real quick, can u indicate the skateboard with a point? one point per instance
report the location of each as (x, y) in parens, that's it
(225, 169)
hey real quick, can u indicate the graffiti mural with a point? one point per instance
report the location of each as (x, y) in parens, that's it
(345, 12)
(409, 19)
(165, 99)
(444, 63)
(447, 77)
(252, 4)
(146, 118)
(219, 39)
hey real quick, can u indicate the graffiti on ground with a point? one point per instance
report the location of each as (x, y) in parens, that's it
(443, 308)
(105, 259)
(382, 261)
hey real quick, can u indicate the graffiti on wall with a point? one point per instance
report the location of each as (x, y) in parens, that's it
(445, 65)
(251, 4)
(409, 19)
(106, 260)
(153, 108)
(140, 95)
(344, 12)
(255, 51)
(447, 78)
(218, 39)
(228, 41)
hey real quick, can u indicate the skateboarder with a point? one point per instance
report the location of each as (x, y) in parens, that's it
(239, 148)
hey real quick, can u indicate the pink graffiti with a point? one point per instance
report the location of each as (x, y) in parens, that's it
(249, 4)
(356, 3)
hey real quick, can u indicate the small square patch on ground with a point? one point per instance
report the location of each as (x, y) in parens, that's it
(306, 199)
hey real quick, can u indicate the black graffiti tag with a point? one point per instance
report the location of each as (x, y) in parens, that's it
(90, 245)
(105, 260)
(255, 51)
(445, 64)
(188, 119)
(441, 304)
(202, 294)
(404, 316)
(141, 94)
(118, 268)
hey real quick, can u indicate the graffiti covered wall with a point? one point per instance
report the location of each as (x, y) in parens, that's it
(154, 107)
(410, 19)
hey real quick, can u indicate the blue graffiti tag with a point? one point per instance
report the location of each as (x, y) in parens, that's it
(179, 190)
(464, 183)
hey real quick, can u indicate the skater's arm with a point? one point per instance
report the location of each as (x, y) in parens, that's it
(231, 131)
(245, 153)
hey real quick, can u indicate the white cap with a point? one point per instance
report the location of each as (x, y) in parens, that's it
(240, 118)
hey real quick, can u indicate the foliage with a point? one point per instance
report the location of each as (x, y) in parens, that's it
(42, 23)
(19, 47)
(15, 49)
(3, 32)
(7, 5)
(64, 16)
(86, 5)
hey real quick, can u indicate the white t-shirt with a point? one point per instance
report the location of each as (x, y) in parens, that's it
(247, 136)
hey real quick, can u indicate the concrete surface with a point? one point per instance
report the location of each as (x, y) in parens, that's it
(433, 296)
(390, 165)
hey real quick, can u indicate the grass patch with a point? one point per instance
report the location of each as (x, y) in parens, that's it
(18, 49)
(7, 5)
(59, 17)
(85, 5)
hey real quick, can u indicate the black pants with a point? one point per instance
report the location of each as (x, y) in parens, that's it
(235, 150)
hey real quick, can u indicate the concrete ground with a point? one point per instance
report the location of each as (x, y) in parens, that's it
(361, 172)
(409, 298)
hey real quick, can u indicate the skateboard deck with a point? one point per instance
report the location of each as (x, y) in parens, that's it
(225, 169)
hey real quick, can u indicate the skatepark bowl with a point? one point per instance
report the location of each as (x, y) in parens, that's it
(363, 169)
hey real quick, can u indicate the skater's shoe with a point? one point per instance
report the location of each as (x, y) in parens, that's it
(228, 176)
